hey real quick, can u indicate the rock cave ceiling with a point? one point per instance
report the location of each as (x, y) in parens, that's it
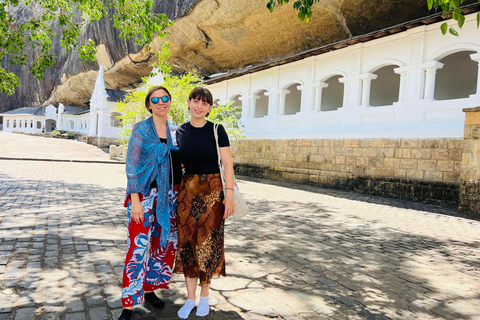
(210, 36)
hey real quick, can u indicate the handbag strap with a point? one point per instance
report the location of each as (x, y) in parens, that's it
(219, 156)
(215, 133)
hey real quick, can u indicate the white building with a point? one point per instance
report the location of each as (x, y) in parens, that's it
(30, 119)
(104, 121)
(99, 120)
(408, 81)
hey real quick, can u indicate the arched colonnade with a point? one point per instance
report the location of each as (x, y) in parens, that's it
(452, 75)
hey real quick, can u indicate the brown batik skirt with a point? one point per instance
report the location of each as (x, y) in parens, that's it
(200, 251)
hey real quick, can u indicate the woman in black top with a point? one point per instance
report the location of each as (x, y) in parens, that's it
(202, 206)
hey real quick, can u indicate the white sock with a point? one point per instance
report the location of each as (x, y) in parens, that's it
(203, 307)
(184, 311)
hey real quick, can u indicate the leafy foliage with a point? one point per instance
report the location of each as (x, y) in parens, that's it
(304, 7)
(20, 40)
(450, 7)
(228, 115)
(133, 107)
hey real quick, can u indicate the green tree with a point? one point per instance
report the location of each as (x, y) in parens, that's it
(19, 39)
(228, 115)
(133, 107)
(450, 7)
(304, 7)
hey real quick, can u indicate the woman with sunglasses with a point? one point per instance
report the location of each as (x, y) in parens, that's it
(202, 206)
(153, 175)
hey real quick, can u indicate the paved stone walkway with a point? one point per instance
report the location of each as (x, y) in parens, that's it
(32, 147)
(303, 253)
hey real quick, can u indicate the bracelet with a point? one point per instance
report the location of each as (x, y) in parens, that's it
(229, 189)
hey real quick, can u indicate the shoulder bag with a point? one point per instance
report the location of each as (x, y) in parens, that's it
(241, 208)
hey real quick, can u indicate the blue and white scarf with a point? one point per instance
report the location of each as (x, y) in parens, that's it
(149, 159)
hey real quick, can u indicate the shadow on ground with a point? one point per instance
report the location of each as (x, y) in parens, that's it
(393, 202)
(170, 311)
(291, 252)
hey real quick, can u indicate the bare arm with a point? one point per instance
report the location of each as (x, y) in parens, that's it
(229, 180)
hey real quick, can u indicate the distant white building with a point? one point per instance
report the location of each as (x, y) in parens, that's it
(99, 121)
(104, 124)
(407, 81)
(30, 119)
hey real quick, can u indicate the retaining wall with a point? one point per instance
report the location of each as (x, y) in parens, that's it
(426, 170)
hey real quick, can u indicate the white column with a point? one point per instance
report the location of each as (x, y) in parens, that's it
(430, 71)
(476, 57)
(103, 123)
(245, 108)
(403, 85)
(60, 114)
(92, 123)
(246, 105)
(345, 93)
(318, 95)
(352, 94)
(306, 97)
(412, 82)
(281, 105)
(366, 85)
(310, 96)
(253, 103)
(273, 99)
(415, 85)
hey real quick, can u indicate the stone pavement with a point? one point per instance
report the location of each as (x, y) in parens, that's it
(32, 147)
(303, 253)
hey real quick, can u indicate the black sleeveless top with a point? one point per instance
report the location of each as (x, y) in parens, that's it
(197, 148)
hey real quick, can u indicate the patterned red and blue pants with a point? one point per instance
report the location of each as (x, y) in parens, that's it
(147, 265)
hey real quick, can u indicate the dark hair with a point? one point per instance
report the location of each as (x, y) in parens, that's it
(151, 91)
(201, 93)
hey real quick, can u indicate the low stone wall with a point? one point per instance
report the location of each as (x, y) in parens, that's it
(426, 170)
(101, 142)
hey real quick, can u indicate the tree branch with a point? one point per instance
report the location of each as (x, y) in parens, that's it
(11, 26)
(125, 6)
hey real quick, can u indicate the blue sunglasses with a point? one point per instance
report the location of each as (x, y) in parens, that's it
(156, 100)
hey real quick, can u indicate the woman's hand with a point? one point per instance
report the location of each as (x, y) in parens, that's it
(229, 204)
(136, 211)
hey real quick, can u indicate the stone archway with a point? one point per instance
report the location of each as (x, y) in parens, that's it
(50, 125)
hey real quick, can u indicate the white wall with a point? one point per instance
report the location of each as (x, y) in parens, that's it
(80, 123)
(8, 123)
(108, 130)
(376, 101)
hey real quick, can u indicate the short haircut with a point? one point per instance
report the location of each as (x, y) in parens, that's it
(201, 93)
